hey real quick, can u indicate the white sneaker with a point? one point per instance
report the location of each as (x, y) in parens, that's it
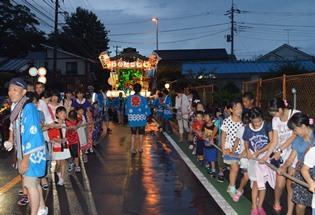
(194, 152)
(42, 211)
(60, 182)
(70, 167)
(191, 147)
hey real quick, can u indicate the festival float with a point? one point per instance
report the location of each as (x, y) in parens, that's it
(127, 69)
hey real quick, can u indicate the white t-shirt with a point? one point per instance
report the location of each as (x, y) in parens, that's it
(182, 105)
(230, 128)
(309, 161)
(239, 135)
(283, 132)
(43, 107)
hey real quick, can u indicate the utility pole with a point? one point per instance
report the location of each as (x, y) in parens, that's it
(232, 30)
(117, 49)
(56, 39)
(230, 37)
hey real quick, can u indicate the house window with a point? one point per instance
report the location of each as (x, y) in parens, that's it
(71, 68)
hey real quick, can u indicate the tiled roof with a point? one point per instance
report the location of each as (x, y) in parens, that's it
(240, 67)
(15, 65)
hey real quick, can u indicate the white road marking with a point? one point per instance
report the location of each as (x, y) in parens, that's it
(223, 204)
(87, 187)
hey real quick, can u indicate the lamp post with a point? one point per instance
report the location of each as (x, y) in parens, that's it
(156, 21)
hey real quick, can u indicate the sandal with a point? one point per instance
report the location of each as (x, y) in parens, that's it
(45, 186)
(237, 196)
(277, 209)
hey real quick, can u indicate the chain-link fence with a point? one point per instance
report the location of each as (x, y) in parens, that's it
(304, 85)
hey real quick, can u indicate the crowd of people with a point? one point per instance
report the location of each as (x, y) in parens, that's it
(49, 127)
(239, 137)
(50, 131)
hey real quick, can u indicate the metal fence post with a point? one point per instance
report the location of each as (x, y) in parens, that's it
(284, 83)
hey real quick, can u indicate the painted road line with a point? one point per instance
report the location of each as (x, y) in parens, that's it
(54, 189)
(87, 187)
(223, 204)
(10, 184)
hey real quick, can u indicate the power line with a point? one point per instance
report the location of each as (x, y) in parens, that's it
(171, 30)
(279, 25)
(40, 19)
(196, 38)
(174, 41)
(163, 19)
(280, 13)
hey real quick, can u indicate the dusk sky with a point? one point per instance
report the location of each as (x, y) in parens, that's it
(263, 25)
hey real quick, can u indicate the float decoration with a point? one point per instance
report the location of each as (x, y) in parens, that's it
(126, 69)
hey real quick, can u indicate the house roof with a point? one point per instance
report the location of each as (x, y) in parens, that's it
(284, 46)
(192, 54)
(129, 54)
(69, 53)
(19, 64)
(240, 67)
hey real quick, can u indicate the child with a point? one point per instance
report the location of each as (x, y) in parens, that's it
(73, 138)
(209, 150)
(217, 133)
(82, 131)
(197, 127)
(229, 128)
(257, 136)
(242, 156)
(281, 146)
(57, 136)
(198, 107)
(301, 125)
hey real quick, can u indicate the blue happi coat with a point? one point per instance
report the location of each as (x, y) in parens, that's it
(167, 104)
(33, 142)
(137, 110)
(158, 104)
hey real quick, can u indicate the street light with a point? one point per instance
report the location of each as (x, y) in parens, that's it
(156, 21)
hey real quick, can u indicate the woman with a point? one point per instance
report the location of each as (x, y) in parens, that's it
(281, 148)
(67, 102)
(299, 123)
(54, 103)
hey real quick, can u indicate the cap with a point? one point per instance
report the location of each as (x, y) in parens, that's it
(18, 82)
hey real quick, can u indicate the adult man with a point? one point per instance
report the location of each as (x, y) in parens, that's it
(39, 88)
(104, 104)
(29, 143)
(248, 101)
(137, 110)
(182, 106)
(118, 105)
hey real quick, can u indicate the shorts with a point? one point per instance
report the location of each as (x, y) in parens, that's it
(74, 150)
(30, 182)
(140, 130)
(227, 159)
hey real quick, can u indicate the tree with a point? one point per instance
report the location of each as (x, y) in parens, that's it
(18, 32)
(83, 34)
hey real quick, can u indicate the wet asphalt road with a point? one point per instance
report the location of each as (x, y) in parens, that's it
(155, 182)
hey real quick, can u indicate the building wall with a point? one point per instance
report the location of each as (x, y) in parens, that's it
(285, 54)
(83, 66)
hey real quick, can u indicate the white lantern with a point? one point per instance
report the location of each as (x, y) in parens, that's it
(32, 71)
(42, 79)
(167, 85)
(42, 71)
